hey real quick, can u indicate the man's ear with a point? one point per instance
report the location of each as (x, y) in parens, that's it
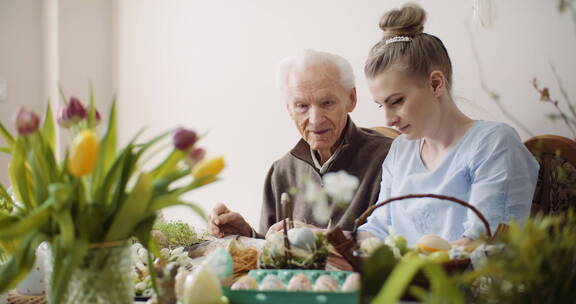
(352, 99)
(437, 83)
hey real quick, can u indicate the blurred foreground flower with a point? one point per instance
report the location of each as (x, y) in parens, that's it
(339, 188)
(207, 170)
(96, 196)
(27, 122)
(84, 154)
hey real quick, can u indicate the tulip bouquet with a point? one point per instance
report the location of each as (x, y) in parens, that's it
(95, 193)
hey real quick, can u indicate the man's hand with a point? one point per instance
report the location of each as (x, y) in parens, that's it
(223, 222)
(279, 226)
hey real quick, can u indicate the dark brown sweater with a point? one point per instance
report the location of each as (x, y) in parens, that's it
(362, 153)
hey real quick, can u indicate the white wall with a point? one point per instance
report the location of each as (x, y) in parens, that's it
(33, 65)
(20, 63)
(210, 65)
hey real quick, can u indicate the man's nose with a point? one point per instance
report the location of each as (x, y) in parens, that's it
(317, 115)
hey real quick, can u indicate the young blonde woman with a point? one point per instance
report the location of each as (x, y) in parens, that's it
(441, 150)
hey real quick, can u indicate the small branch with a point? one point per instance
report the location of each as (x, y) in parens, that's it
(562, 90)
(493, 95)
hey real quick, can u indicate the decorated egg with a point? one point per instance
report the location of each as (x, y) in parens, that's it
(271, 282)
(352, 283)
(245, 282)
(302, 238)
(325, 283)
(202, 287)
(430, 243)
(220, 263)
(299, 282)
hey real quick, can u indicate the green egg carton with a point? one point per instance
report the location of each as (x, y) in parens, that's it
(290, 297)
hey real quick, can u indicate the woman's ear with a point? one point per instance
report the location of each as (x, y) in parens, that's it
(437, 83)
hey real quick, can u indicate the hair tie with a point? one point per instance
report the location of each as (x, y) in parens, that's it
(397, 39)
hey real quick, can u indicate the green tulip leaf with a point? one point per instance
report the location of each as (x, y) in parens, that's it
(21, 262)
(48, 129)
(399, 280)
(36, 219)
(6, 135)
(132, 210)
(107, 151)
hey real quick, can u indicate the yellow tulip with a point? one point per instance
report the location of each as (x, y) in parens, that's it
(84, 154)
(208, 169)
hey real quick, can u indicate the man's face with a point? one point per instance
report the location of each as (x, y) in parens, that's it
(319, 105)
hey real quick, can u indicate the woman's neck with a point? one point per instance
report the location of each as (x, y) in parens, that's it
(451, 124)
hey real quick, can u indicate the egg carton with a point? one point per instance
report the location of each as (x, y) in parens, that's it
(289, 297)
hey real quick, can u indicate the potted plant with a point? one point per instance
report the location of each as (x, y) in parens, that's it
(91, 202)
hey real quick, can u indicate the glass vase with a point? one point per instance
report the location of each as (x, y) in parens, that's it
(103, 276)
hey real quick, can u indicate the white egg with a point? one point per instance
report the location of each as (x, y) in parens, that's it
(202, 287)
(299, 282)
(325, 283)
(352, 283)
(245, 283)
(271, 282)
(302, 238)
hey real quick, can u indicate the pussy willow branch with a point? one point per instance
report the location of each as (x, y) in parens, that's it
(491, 93)
(564, 93)
(565, 118)
(568, 5)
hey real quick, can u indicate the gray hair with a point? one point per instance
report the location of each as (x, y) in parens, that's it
(309, 58)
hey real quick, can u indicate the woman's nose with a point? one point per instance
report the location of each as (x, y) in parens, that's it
(391, 118)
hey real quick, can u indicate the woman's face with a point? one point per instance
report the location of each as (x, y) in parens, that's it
(409, 104)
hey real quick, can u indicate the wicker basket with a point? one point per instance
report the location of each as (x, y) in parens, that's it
(452, 266)
(16, 298)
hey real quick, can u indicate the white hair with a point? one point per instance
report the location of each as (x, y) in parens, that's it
(310, 58)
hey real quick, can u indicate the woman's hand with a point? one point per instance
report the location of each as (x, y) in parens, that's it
(462, 242)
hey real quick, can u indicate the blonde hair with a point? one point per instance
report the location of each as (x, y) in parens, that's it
(418, 56)
(310, 58)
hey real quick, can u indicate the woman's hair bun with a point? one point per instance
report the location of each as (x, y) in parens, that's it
(406, 21)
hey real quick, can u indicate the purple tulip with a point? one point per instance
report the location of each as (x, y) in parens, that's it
(196, 155)
(76, 110)
(27, 122)
(184, 139)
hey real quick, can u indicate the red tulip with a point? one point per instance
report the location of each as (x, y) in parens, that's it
(76, 110)
(27, 122)
(196, 155)
(184, 139)
(63, 119)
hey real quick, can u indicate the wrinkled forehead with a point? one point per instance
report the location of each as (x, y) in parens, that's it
(320, 81)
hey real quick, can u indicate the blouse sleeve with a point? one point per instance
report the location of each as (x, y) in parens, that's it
(503, 176)
(378, 222)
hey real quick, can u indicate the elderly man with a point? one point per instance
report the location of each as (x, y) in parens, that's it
(319, 91)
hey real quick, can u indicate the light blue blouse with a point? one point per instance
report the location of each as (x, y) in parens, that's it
(489, 168)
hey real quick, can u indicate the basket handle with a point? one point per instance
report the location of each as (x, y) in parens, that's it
(362, 219)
